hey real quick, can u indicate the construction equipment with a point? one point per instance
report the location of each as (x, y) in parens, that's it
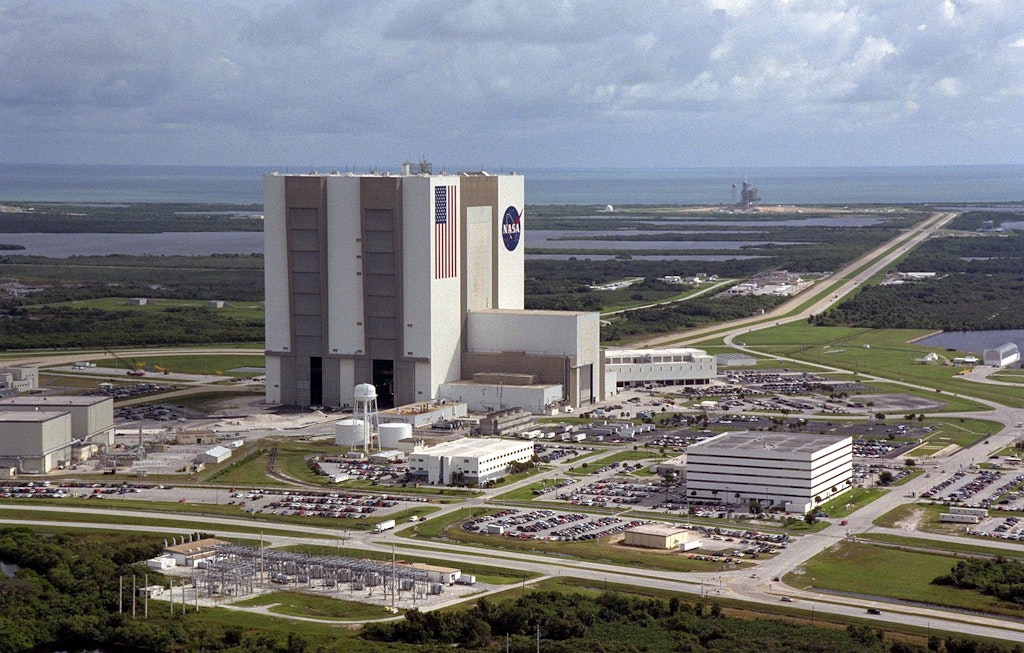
(135, 368)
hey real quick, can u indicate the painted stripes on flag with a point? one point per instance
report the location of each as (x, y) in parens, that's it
(446, 233)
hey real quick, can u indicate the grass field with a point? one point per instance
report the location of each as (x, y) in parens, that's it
(318, 607)
(852, 500)
(884, 352)
(217, 364)
(235, 310)
(866, 569)
(155, 522)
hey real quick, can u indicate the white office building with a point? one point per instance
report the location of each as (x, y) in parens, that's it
(627, 368)
(794, 471)
(409, 282)
(469, 461)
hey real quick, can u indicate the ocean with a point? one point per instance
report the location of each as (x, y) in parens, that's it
(597, 187)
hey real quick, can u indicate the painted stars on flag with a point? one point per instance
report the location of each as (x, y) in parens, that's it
(446, 233)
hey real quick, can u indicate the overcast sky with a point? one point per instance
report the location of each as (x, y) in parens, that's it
(683, 83)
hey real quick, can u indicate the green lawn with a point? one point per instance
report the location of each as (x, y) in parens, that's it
(315, 606)
(851, 501)
(237, 310)
(871, 570)
(884, 352)
(220, 365)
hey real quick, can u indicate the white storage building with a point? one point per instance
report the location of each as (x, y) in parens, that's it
(1003, 355)
(628, 368)
(795, 471)
(214, 455)
(470, 461)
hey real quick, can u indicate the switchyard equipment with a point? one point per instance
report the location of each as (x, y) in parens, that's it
(236, 569)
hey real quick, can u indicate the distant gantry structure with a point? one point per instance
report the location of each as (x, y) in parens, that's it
(749, 196)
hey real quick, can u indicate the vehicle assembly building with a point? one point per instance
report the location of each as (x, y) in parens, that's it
(411, 282)
(794, 471)
(470, 461)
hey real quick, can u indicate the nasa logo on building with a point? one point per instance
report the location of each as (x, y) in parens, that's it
(511, 228)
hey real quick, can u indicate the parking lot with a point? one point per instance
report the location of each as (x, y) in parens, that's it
(567, 526)
(986, 488)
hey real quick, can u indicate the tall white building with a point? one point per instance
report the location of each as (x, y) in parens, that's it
(389, 279)
(795, 471)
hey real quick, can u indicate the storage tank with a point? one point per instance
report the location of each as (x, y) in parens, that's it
(349, 433)
(390, 434)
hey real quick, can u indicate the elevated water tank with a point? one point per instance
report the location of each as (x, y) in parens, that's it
(349, 433)
(365, 392)
(391, 433)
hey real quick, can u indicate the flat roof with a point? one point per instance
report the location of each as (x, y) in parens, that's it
(664, 530)
(676, 351)
(198, 546)
(34, 416)
(528, 312)
(54, 400)
(474, 447)
(754, 440)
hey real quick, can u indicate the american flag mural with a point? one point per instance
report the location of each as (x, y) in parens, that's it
(446, 233)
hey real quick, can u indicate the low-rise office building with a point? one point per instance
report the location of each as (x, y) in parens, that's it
(469, 461)
(19, 379)
(792, 471)
(628, 368)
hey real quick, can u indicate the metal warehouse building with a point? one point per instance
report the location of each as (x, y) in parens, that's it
(34, 442)
(472, 461)
(1001, 356)
(795, 471)
(92, 418)
(660, 536)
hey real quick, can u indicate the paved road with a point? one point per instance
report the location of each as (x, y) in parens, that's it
(853, 277)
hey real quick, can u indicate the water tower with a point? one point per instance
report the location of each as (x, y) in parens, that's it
(366, 410)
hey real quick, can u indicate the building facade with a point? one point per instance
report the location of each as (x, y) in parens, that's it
(468, 461)
(386, 279)
(34, 442)
(628, 368)
(792, 471)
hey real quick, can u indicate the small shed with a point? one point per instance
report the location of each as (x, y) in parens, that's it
(660, 536)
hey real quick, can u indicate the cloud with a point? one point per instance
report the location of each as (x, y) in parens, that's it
(505, 81)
